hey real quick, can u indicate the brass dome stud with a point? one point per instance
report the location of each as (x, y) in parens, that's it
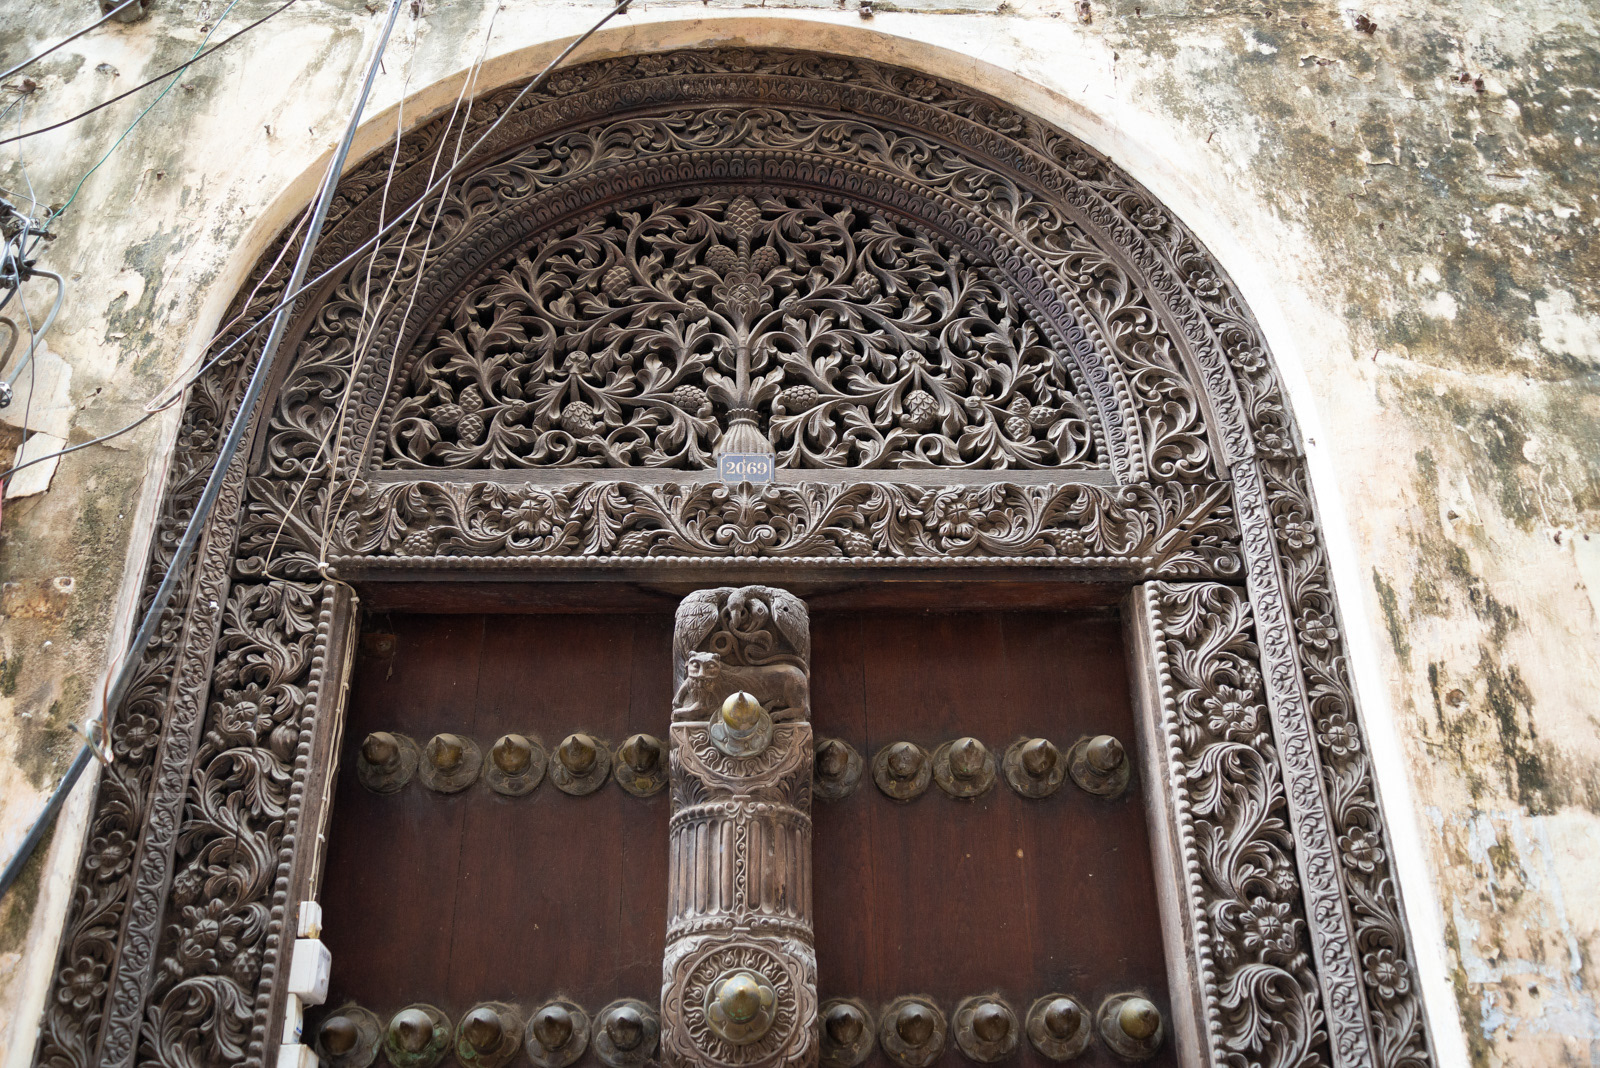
(349, 1037)
(581, 766)
(557, 1035)
(488, 1036)
(913, 1032)
(339, 1035)
(450, 763)
(847, 1033)
(386, 761)
(516, 765)
(963, 768)
(626, 1033)
(1058, 1027)
(986, 1029)
(642, 765)
(837, 770)
(1131, 1025)
(902, 770)
(741, 727)
(1099, 765)
(418, 1036)
(740, 1006)
(1034, 767)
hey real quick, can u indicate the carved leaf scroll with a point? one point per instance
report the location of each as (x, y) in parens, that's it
(1260, 995)
(627, 340)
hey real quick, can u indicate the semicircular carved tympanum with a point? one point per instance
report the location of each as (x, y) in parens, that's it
(968, 340)
(634, 338)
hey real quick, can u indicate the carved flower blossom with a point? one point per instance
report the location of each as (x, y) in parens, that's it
(1247, 358)
(110, 854)
(135, 734)
(1205, 283)
(1270, 929)
(1297, 531)
(1274, 440)
(242, 714)
(1338, 735)
(527, 519)
(1360, 850)
(1232, 713)
(81, 983)
(210, 936)
(952, 517)
(1388, 975)
(1317, 629)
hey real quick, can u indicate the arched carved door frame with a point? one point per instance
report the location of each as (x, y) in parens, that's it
(1286, 939)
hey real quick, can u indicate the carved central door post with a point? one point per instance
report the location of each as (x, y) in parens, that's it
(739, 981)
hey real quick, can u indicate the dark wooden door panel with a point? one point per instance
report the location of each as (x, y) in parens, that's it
(455, 899)
(1001, 894)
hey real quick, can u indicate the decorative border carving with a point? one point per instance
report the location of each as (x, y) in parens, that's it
(1176, 366)
(1170, 529)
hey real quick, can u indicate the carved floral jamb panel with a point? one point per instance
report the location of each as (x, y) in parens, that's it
(971, 340)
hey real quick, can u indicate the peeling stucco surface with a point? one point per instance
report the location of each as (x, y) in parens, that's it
(1411, 212)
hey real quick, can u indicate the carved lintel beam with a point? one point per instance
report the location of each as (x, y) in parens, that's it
(739, 980)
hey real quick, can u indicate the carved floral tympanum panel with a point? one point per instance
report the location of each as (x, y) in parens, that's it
(967, 338)
(635, 338)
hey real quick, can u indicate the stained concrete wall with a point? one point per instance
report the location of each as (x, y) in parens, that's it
(1406, 193)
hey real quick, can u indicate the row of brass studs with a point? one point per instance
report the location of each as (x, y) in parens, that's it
(624, 1035)
(966, 768)
(913, 1032)
(517, 764)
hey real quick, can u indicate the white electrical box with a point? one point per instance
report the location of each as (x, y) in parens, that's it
(294, 1020)
(310, 920)
(294, 1055)
(308, 971)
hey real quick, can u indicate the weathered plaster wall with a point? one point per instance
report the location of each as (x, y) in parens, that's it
(1411, 212)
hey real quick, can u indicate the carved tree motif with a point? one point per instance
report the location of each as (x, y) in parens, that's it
(739, 980)
(638, 338)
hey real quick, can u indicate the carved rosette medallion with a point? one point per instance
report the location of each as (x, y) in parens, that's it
(739, 983)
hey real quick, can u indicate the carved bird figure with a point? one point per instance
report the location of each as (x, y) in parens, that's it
(695, 620)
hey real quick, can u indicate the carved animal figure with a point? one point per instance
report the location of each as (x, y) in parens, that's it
(781, 688)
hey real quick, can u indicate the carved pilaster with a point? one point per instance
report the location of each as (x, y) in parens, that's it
(739, 981)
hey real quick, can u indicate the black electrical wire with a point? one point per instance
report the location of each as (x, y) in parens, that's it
(185, 547)
(294, 294)
(145, 85)
(107, 17)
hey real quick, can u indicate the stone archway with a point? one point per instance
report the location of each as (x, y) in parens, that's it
(975, 347)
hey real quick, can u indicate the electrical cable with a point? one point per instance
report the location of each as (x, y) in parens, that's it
(294, 293)
(58, 212)
(229, 447)
(107, 17)
(145, 85)
(33, 341)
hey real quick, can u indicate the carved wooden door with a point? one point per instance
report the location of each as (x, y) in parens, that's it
(503, 886)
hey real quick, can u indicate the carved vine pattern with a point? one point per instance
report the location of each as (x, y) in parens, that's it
(1144, 313)
(1263, 1002)
(1170, 530)
(628, 339)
